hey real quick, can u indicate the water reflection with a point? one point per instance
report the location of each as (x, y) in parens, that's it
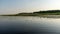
(29, 25)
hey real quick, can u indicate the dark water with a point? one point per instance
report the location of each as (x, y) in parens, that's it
(29, 25)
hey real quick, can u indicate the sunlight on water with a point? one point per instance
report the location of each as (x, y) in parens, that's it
(29, 24)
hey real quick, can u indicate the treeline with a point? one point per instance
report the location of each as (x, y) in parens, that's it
(49, 11)
(39, 13)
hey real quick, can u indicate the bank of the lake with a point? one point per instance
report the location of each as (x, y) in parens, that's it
(48, 13)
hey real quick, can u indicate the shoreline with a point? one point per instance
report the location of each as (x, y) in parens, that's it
(47, 16)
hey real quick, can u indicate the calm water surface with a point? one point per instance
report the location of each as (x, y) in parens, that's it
(29, 25)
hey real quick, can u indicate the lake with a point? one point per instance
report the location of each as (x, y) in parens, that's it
(29, 25)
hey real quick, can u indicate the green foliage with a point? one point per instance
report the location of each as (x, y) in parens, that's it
(49, 12)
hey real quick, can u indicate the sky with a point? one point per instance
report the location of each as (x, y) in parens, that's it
(18, 6)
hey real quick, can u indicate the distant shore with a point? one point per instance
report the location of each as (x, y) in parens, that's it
(48, 13)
